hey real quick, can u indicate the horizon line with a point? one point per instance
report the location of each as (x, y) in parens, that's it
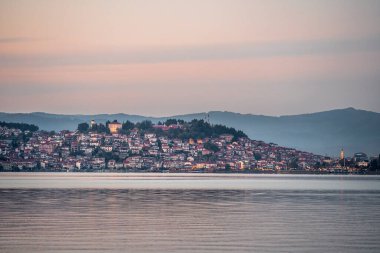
(186, 114)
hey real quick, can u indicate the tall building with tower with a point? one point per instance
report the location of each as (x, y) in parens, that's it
(341, 154)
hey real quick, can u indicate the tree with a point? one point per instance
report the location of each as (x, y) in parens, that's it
(145, 125)
(211, 146)
(15, 144)
(26, 136)
(22, 126)
(83, 127)
(257, 156)
(128, 125)
(101, 128)
(159, 144)
(169, 122)
(294, 163)
(373, 165)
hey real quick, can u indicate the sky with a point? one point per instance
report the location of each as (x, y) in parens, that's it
(169, 57)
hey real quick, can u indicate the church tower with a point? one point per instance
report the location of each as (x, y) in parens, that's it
(342, 154)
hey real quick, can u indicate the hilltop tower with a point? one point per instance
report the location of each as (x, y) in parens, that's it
(92, 123)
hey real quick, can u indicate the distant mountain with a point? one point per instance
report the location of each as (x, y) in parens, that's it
(320, 133)
(57, 122)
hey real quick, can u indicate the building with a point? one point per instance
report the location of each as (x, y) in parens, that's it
(341, 154)
(92, 123)
(114, 127)
(46, 148)
(360, 157)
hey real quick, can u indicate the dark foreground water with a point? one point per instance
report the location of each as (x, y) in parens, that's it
(188, 213)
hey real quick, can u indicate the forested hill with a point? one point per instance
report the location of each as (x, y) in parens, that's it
(21, 126)
(172, 128)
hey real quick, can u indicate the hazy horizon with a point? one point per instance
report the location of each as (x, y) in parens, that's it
(180, 114)
(176, 57)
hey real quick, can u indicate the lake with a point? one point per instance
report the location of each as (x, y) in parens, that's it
(111, 212)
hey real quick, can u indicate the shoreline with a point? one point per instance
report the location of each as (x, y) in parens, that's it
(205, 172)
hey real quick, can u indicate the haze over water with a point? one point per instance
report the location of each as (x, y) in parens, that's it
(188, 213)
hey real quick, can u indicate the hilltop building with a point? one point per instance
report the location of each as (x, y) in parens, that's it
(114, 127)
(92, 123)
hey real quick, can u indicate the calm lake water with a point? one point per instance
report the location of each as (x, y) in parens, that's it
(188, 213)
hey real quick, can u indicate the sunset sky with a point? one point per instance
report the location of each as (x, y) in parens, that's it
(165, 57)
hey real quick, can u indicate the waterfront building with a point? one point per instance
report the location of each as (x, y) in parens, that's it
(360, 156)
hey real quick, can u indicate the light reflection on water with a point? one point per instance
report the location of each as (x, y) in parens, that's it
(192, 219)
(187, 181)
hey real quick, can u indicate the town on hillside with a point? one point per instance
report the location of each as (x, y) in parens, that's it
(170, 146)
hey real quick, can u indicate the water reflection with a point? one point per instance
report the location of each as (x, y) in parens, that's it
(188, 220)
(187, 181)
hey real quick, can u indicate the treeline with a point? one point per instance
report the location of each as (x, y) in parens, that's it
(22, 126)
(195, 129)
(199, 129)
(97, 128)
